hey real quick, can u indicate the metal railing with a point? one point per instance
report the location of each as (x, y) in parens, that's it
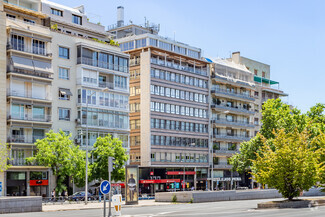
(231, 136)
(30, 117)
(101, 64)
(32, 73)
(245, 83)
(109, 85)
(29, 49)
(235, 94)
(233, 122)
(18, 93)
(226, 151)
(179, 67)
(236, 109)
(23, 139)
(222, 166)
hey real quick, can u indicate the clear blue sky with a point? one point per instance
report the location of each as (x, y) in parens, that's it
(288, 35)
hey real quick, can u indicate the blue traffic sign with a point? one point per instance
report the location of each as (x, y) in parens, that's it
(105, 187)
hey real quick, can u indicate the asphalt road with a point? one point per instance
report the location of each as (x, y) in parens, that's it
(228, 208)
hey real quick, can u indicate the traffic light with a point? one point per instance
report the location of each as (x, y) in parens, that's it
(111, 164)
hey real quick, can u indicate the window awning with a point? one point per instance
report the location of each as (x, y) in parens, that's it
(264, 80)
(42, 66)
(22, 63)
(64, 91)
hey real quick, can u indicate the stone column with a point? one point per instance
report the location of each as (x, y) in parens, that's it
(28, 183)
(195, 178)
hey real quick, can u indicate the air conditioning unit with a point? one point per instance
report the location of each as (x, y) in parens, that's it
(78, 121)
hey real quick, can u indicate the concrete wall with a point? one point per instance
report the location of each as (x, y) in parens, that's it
(20, 204)
(201, 196)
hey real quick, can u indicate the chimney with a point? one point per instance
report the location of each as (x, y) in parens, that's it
(236, 57)
(120, 16)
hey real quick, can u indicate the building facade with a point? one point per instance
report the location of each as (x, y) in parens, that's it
(232, 114)
(169, 92)
(60, 73)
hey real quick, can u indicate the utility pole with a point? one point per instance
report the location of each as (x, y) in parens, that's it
(110, 169)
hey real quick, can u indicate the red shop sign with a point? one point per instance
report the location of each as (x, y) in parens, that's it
(38, 182)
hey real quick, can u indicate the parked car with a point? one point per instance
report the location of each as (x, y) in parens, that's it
(80, 195)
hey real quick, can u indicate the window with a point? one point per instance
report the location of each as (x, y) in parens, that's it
(64, 52)
(140, 43)
(263, 74)
(255, 71)
(64, 114)
(29, 21)
(56, 12)
(64, 94)
(63, 73)
(76, 19)
(11, 16)
(18, 42)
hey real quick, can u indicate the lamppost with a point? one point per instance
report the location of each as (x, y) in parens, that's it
(86, 181)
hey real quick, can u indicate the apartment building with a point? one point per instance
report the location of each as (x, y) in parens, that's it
(232, 115)
(60, 73)
(26, 81)
(169, 106)
(265, 88)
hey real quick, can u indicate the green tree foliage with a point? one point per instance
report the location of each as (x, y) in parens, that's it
(105, 147)
(58, 152)
(4, 153)
(276, 116)
(290, 162)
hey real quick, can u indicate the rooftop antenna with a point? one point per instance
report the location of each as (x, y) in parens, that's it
(174, 35)
(145, 21)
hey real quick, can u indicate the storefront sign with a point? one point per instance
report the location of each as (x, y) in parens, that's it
(180, 173)
(132, 184)
(227, 179)
(159, 181)
(38, 182)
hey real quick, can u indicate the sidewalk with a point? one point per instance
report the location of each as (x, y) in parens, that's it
(95, 205)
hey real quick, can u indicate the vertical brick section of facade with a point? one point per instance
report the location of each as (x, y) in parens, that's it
(145, 108)
(3, 108)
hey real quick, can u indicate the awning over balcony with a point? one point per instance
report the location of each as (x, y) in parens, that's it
(22, 63)
(32, 65)
(64, 91)
(264, 80)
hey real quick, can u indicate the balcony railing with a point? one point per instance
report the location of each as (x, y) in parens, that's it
(232, 122)
(11, 92)
(179, 67)
(101, 64)
(21, 162)
(20, 5)
(233, 108)
(23, 139)
(222, 166)
(27, 117)
(29, 49)
(234, 94)
(232, 137)
(225, 151)
(31, 73)
(109, 85)
(245, 83)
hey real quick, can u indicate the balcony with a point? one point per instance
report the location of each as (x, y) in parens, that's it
(225, 152)
(30, 73)
(29, 117)
(29, 49)
(109, 85)
(238, 123)
(101, 64)
(23, 139)
(235, 109)
(29, 95)
(232, 137)
(240, 96)
(172, 65)
(235, 81)
(222, 166)
(20, 162)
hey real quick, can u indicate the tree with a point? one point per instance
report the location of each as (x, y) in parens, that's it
(4, 153)
(59, 153)
(105, 147)
(276, 116)
(290, 162)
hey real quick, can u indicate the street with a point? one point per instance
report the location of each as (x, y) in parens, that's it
(230, 208)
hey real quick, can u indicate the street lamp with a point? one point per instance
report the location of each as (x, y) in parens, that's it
(86, 181)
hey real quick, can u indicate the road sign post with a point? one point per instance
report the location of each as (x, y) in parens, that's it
(105, 188)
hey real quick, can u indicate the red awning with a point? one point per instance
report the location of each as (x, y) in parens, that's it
(159, 181)
(180, 173)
